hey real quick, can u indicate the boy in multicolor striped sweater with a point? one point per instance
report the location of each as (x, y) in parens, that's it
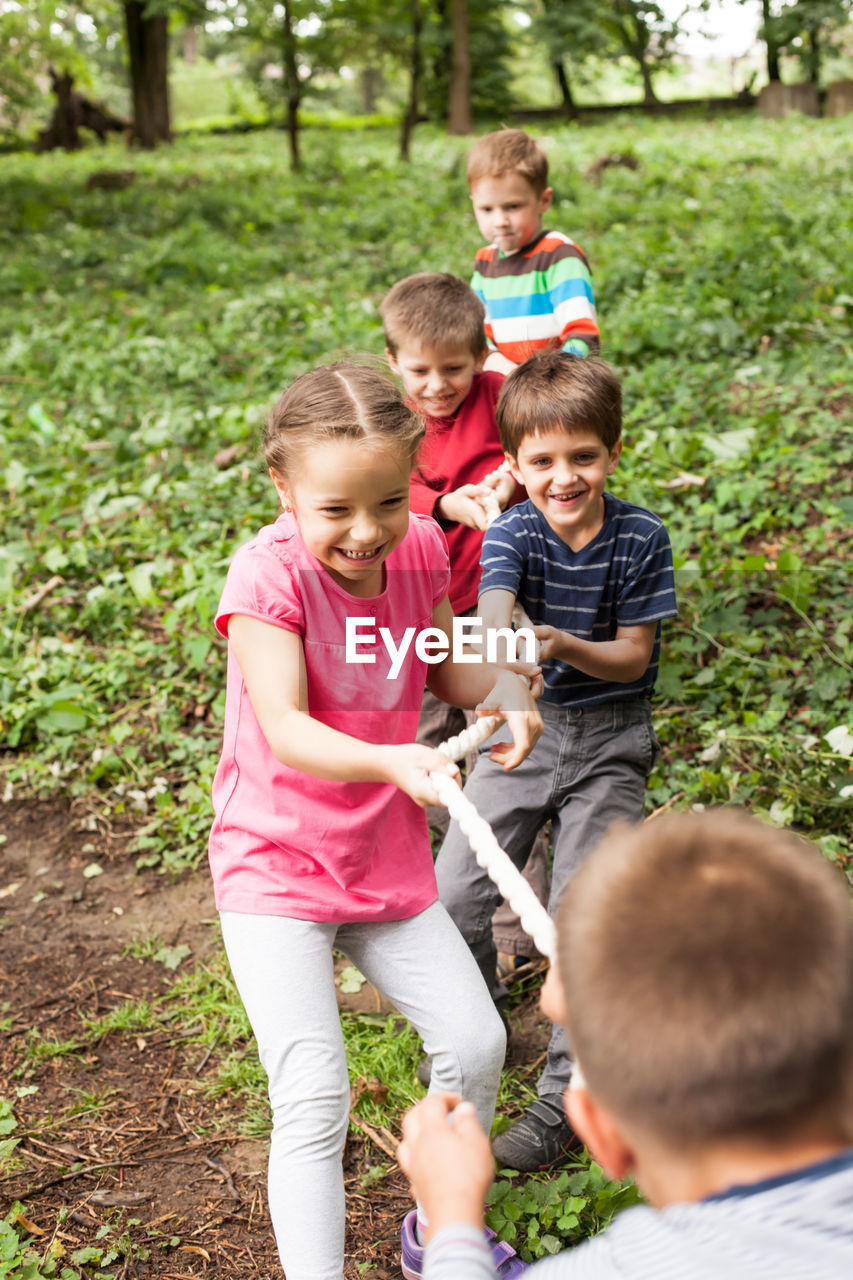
(535, 284)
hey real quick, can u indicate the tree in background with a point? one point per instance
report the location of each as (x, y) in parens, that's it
(489, 50)
(416, 71)
(379, 39)
(645, 34)
(459, 116)
(766, 32)
(147, 29)
(572, 32)
(805, 29)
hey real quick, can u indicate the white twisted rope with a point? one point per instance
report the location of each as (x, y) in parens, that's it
(490, 856)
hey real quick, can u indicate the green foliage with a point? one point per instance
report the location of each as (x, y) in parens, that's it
(546, 1213)
(146, 331)
(24, 1257)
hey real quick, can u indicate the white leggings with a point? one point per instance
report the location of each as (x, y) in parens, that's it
(285, 975)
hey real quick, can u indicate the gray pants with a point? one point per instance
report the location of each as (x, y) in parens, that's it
(588, 769)
(284, 970)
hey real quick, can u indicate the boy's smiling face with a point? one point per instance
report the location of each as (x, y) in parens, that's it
(565, 474)
(437, 379)
(508, 210)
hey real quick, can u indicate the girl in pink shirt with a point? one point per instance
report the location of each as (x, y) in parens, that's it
(320, 839)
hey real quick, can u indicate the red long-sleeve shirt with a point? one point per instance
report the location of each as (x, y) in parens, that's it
(456, 451)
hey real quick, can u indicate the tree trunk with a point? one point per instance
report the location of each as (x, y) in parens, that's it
(416, 67)
(291, 85)
(814, 55)
(370, 82)
(565, 88)
(649, 95)
(148, 49)
(772, 49)
(190, 40)
(459, 118)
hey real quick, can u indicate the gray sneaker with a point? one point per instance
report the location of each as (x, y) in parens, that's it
(541, 1139)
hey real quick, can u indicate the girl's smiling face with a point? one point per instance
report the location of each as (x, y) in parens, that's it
(350, 499)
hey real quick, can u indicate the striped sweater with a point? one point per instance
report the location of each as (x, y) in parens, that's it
(539, 297)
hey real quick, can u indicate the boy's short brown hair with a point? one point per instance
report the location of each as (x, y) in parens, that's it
(508, 151)
(555, 389)
(707, 963)
(436, 309)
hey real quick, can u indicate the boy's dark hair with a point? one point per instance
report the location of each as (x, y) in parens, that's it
(508, 151)
(555, 389)
(436, 309)
(707, 963)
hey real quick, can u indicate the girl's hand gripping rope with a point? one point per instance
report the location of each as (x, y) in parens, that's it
(414, 768)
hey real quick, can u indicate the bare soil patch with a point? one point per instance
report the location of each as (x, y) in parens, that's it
(121, 1128)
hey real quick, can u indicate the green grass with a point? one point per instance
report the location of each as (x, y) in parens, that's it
(146, 330)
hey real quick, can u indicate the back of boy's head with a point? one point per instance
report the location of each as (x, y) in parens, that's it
(434, 309)
(707, 962)
(508, 151)
(555, 389)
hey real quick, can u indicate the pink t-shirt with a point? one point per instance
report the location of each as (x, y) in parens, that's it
(286, 843)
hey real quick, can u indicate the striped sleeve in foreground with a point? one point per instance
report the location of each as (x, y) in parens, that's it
(798, 1226)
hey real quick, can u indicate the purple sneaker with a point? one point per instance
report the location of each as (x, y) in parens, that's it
(507, 1262)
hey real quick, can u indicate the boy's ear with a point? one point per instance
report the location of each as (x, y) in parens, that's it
(513, 468)
(615, 455)
(552, 998)
(599, 1133)
(392, 361)
(481, 360)
(545, 199)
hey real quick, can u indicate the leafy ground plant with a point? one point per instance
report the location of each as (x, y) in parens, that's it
(544, 1214)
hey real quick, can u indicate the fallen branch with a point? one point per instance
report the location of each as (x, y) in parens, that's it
(663, 808)
(383, 1140)
(41, 593)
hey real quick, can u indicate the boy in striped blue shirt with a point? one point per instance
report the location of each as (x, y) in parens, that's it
(705, 971)
(594, 573)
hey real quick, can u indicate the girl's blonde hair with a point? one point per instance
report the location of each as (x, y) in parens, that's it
(344, 401)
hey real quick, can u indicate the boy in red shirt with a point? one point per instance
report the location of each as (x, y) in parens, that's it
(435, 342)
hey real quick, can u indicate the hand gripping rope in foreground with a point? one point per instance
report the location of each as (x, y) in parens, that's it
(490, 856)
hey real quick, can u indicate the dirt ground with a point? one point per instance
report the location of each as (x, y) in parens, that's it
(125, 1130)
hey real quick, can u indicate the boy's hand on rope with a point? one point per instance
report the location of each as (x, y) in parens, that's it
(551, 642)
(465, 505)
(514, 701)
(502, 484)
(408, 767)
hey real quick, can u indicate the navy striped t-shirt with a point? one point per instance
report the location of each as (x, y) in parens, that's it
(623, 577)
